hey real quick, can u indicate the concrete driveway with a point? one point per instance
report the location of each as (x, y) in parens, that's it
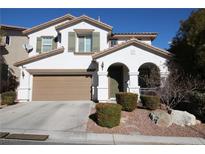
(46, 116)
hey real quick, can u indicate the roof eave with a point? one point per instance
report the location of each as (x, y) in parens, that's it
(39, 57)
(45, 24)
(132, 42)
(11, 27)
(138, 35)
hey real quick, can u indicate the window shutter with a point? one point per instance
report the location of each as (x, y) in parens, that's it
(71, 41)
(54, 43)
(96, 41)
(38, 44)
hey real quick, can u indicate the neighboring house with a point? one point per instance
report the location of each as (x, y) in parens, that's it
(11, 50)
(80, 58)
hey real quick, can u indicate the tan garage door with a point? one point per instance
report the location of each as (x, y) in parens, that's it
(54, 88)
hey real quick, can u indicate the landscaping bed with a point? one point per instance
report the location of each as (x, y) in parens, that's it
(138, 122)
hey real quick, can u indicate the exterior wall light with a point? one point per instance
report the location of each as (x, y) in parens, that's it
(102, 65)
(23, 74)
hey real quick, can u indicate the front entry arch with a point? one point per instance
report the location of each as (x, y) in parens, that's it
(117, 79)
(149, 75)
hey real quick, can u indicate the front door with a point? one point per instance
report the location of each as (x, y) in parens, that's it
(115, 74)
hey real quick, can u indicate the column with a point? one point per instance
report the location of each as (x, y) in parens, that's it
(133, 84)
(23, 90)
(102, 86)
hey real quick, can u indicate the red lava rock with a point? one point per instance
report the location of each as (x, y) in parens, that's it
(139, 121)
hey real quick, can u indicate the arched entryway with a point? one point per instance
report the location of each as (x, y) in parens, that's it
(149, 77)
(117, 79)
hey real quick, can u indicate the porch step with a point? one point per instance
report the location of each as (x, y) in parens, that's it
(112, 100)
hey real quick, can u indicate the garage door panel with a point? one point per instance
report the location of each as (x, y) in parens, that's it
(52, 88)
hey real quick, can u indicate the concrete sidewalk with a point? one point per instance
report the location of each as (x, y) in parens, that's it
(93, 138)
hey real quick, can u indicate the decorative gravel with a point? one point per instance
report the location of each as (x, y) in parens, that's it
(138, 122)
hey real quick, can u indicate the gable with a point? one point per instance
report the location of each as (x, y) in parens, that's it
(87, 20)
(138, 44)
(48, 24)
(132, 56)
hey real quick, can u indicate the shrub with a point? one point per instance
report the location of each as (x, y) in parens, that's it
(108, 114)
(197, 105)
(8, 97)
(150, 102)
(128, 101)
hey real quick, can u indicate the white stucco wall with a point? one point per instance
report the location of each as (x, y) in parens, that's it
(133, 57)
(83, 25)
(49, 31)
(24, 90)
(65, 60)
(125, 40)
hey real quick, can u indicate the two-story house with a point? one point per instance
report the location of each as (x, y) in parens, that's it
(11, 50)
(80, 58)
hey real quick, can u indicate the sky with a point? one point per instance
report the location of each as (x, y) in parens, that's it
(164, 21)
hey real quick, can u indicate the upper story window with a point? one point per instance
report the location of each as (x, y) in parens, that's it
(85, 43)
(46, 44)
(113, 42)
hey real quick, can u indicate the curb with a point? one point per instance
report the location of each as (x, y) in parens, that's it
(108, 139)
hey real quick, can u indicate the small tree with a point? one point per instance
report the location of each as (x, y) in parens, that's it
(149, 76)
(176, 88)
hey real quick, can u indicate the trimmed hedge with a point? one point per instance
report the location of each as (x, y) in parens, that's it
(108, 114)
(128, 101)
(150, 102)
(197, 104)
(8, 97)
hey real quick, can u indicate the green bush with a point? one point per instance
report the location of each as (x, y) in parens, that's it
(108, 114)
(197, 105)
(150, 102)
(128, 101)
(8, 98)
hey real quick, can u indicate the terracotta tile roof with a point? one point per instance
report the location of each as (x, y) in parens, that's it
(49, 23)
(137, 35)
(12, 27)
(40, 56)
(87, 19)
(134, 42)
